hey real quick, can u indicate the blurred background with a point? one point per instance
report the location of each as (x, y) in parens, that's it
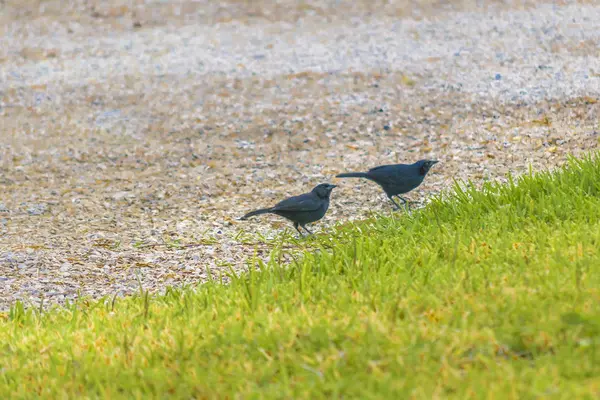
(129, 129)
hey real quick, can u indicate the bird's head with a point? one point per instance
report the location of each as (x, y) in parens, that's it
(425, 165)
(323, 190)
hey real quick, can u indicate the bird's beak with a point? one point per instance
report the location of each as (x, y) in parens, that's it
(333, 186)
(434, 162)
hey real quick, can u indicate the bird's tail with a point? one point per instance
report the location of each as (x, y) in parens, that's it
(353, 175)
(257, 212)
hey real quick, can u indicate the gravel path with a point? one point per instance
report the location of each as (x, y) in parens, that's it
(129, 132)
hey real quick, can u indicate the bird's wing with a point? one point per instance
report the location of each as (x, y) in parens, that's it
(384, 167)
(389, 173)
(304, 202)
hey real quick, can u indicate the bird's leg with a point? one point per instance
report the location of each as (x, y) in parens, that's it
(306, 229)
(297, 226)
(395, 204)
(405, 203)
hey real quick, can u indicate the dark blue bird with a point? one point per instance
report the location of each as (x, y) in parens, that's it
(396, 179)
(301, 210)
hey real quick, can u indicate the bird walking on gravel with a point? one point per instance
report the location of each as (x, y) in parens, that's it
(396, 179)
(303, 209)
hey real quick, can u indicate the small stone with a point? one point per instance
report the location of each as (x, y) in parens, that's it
(122, 195)
(36, 209)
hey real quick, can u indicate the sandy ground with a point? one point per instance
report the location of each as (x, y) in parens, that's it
(131, 129)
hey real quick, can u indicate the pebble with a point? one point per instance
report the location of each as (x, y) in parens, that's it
(36, 209)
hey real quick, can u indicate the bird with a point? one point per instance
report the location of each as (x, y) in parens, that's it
(395, 179)
(301, 210)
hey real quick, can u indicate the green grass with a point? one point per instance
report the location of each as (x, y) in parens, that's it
(483, 294)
